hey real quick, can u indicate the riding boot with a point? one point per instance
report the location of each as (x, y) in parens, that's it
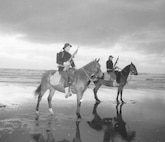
(115, 84)
(67, 92)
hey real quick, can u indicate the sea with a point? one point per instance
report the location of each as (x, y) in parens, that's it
(31, 77)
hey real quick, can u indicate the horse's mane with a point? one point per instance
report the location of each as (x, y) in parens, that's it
(125, 70)
(88, 64)
(126, 67)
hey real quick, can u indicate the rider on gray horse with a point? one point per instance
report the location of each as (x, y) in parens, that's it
(65, 61)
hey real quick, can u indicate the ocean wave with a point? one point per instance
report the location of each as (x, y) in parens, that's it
(33, 77)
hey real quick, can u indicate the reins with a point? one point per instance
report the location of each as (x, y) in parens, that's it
(87, 74)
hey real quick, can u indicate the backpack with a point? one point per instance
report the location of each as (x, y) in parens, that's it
(58, 57)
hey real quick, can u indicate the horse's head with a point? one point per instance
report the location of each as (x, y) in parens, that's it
(133, 69)
(97, 69)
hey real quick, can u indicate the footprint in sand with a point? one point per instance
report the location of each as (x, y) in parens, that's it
(132, 101)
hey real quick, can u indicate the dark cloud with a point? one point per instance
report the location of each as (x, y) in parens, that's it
(88, 22)
(147, 41)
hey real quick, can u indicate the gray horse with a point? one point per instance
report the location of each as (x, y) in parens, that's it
(79, 84)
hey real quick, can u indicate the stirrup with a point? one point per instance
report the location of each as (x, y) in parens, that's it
(68, 95)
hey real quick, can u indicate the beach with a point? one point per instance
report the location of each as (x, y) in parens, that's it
(139, 119)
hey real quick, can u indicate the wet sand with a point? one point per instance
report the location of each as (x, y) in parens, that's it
(140, 119)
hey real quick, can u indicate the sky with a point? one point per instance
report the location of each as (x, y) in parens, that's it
(33, 31)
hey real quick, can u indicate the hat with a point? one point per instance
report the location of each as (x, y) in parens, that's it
(110, 56)
(67, 44)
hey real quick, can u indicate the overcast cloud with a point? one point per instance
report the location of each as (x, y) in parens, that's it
(119, 27)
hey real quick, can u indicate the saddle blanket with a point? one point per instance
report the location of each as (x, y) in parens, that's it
(55, 79)
(109, 76)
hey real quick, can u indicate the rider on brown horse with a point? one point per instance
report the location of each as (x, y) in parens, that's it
(111, 68)
(65, 61)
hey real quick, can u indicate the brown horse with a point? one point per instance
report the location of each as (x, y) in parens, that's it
(80, 83)
(123, 75)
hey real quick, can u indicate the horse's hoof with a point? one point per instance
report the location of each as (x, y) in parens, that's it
(78, 120)
(78, 116)
(37, 117)
(118, 102)
(37, 112)
(98, 101)
(51, 111)
(81, 100)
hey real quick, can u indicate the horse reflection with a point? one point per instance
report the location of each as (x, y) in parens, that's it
(121, 126)
(114, 128)
(47, 134)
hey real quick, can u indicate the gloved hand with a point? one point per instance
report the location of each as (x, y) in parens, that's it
(66, 63)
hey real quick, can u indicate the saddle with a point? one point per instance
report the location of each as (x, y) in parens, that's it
(56, 79)
(112, 76)
(62, 78)
(109, 76)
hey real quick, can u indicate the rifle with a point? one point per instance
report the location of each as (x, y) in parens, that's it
(73, 54)
(69, 61)
(116, 62)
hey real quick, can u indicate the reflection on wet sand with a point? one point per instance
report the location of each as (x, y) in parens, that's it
(38, 135)
(48, 134)
(113, 128)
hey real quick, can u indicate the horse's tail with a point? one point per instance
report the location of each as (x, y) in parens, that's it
(37, 91)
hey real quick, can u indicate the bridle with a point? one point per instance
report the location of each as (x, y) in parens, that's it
(87, 75)
(91, 77)
(132, 70)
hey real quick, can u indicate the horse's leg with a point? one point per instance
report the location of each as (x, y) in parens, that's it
(51, 93)
(79, 100)
(41, 92)
(121, 95)
(38, 103)
(97, 86)
(117, 100)
(118, 92)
